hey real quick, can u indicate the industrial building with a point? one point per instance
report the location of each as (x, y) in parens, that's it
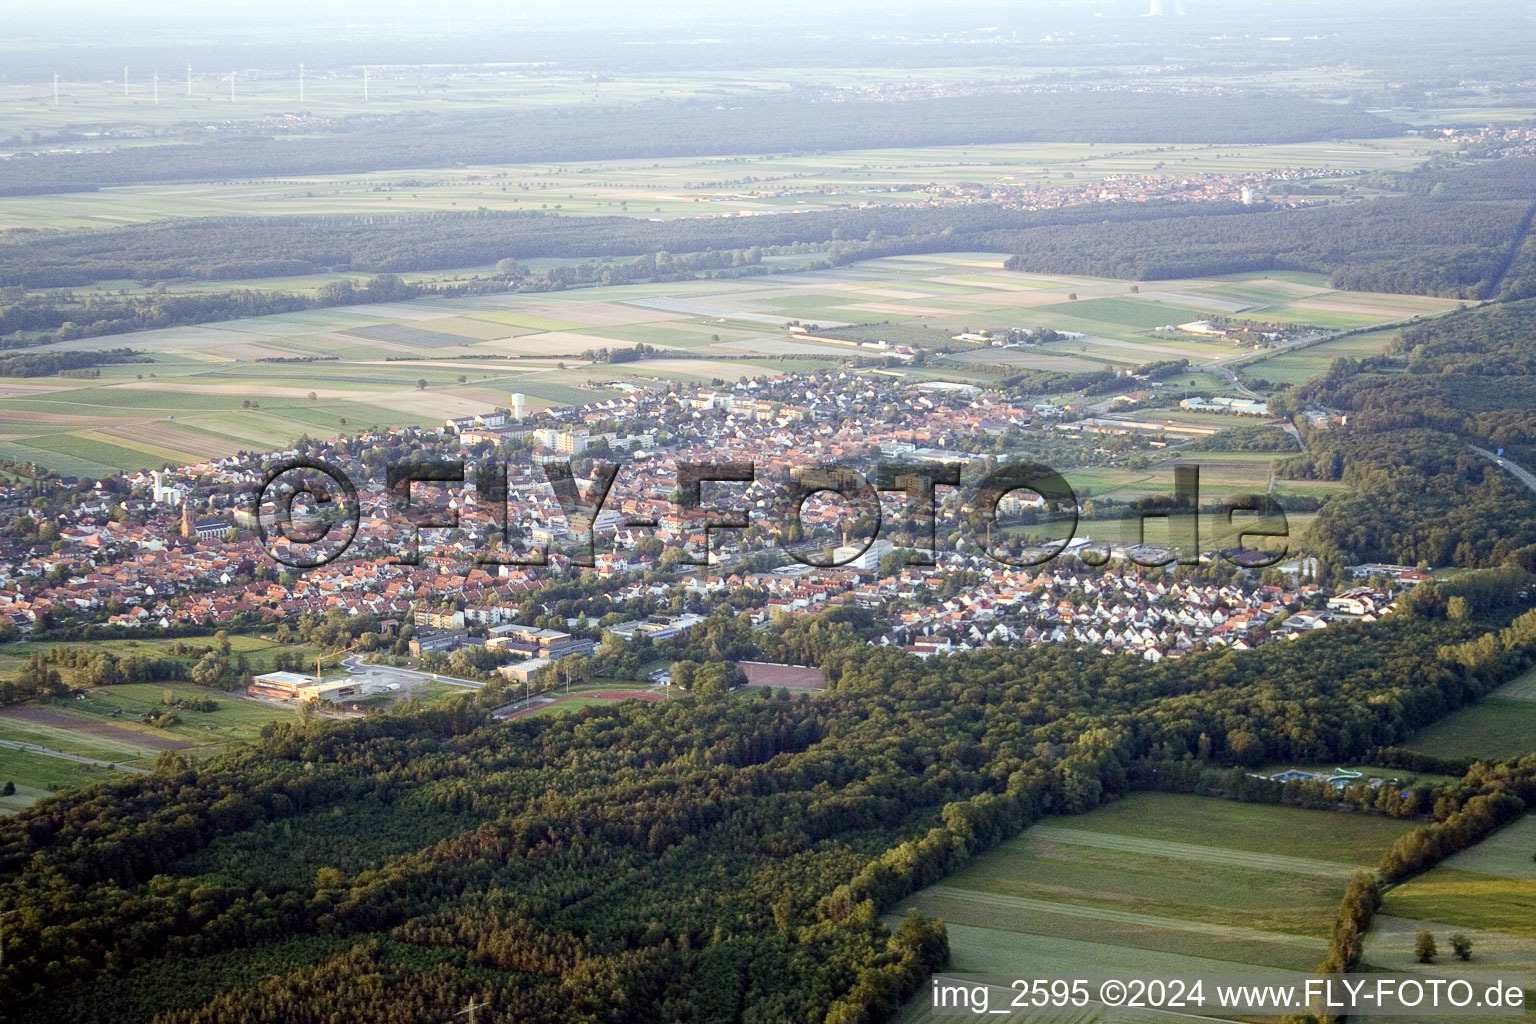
(296, 686)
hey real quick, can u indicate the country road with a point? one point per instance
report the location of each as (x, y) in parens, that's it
(1520, 473)
(1290, 428)
(1223, 365)
(33, 748)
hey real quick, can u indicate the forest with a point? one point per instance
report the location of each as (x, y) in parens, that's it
(796, 124)
(38, 319)
(1417, 490)
(232, 248)
(1420, 246)
(46, 364)
(711, 858)
(1462, 238)
(1415, 496)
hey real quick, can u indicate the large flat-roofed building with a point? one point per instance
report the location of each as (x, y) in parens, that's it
(282, 685)
(296, 686)
(523, 671)
(537, 643)
(449, 641)
(336, 690)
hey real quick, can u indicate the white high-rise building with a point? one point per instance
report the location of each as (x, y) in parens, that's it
(166, 494)
(848, 556)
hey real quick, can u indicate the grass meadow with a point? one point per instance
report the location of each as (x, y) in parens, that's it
(1486, 892)
(1158, 884)
(1496, 727)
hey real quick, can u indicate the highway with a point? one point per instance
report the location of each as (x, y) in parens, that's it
(1520, 473)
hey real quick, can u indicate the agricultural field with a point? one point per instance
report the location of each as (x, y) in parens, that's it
(1497, 727)
(668, 188)
(1302, 364)
(102, 725)
(206, 392)
(1486, 892)
(1522, 687)
(1157, 883)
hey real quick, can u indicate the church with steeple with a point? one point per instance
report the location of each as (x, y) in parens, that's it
(195, 529)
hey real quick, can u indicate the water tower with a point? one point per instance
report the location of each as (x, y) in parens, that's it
(517, 406)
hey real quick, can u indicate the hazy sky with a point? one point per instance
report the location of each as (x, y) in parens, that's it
(89, 37)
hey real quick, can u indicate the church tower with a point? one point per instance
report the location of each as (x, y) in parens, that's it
(188, 524)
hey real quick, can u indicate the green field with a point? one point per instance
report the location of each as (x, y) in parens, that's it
(668, 188)
(1159, 877)
(236, 719)
(122, 750)
(1156, 884)
(1521, 688)
(109, 728)
(37, 776)
(1314, 360)
(1486, 892)
(1495, 727)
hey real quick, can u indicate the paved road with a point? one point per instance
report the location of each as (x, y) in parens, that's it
(407, 676)
(1223, 366)
(33, 748)
(1290, 428)
(1520, 473)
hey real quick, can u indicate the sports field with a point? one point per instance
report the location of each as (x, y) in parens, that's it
(1157, 883)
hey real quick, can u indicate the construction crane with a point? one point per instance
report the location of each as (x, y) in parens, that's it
(333, 656)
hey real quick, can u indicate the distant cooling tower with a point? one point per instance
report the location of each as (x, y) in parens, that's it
(1156, 10)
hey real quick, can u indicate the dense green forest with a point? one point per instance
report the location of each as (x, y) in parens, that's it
(1452, 230)
(797, 124)
(1422, 246)
(1462, 237)
(1415, 495)
(712, 858)
(1472, 373)
(1417, 490)
(231, 248)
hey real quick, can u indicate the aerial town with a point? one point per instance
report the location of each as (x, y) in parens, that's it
(190, 547)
